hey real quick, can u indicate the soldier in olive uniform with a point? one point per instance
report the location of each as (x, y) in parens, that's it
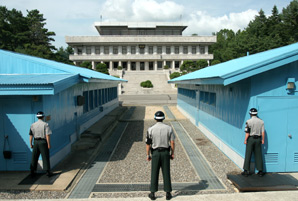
(160, 142)
(40, 132)
(254, 138)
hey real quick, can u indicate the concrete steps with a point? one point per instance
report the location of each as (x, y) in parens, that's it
(159, 80)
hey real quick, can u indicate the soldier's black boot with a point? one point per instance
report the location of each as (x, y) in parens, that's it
(152, 196)
(168, 196)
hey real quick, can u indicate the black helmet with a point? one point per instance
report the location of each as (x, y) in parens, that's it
(159, 115)
(40, 114)
(253, 111)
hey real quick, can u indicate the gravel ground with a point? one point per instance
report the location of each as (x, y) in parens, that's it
(32, 195)
(129, 164)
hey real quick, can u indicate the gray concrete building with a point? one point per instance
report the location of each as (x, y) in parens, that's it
(140, 46)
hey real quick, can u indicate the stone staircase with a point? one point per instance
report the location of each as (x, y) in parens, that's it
(159, 80)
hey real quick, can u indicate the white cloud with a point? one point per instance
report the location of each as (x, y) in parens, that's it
(141, 10)
(204, 24)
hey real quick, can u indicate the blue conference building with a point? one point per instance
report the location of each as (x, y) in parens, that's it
(72, 99)
(217, 100)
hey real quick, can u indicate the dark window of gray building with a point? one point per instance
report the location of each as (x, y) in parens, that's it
(185, 50)
(97, 50)
(133, 49)
(88, 50)
(159, 49)
(176, 49)
(168, 50)
(106, 49)
(150, 49)
(194, 50)
(202, 49)
(124, 50)
(115, 49)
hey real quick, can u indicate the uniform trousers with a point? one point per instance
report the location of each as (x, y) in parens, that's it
(40, 147)
(160, 159)
(254, 145)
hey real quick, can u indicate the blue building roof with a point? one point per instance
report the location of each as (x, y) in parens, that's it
(241, 68)
(21, 74)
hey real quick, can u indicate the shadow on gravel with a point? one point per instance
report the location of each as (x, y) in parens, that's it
(192, 189)
(132, 134)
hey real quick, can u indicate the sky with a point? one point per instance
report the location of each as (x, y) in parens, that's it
(203, 17)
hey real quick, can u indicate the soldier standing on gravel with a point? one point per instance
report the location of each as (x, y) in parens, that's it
(254, 138)
(160, 141)
(40, 132)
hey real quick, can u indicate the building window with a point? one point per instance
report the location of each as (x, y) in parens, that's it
(202, 49)
(194, 50)
(176, 49)
(88, 50)
(142, 50)
(208, 98)
(185, 50)
(168, 50)
(106, 49)
(150, 49)
(124, 50)
(133, 49)
(159, 49)
(80, 50)
(115, 49)
(97, 50)
(177, 64)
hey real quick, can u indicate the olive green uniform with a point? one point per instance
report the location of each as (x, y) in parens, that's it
(161, 135)
(254, 143)
(39, 130)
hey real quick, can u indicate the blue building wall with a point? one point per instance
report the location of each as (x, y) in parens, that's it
(66, 118)
(221, 112)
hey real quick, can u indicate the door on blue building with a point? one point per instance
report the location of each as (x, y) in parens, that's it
(280, 116)
(15, 120)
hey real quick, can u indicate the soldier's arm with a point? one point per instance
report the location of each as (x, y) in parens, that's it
(172, 149)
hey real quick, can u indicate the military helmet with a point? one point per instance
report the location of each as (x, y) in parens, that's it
(253, 111)
(159, 115)
(40, 114)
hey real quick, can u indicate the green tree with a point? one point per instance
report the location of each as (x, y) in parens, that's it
(174, 75)
(188, 66)
(86, 64)
(290, 21)
(202, 63)
(62, 55)
(102, 67)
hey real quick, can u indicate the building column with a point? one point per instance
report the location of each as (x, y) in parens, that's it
(206, 49)
(138, 66)
(84, 50)
(155, 49)
(110, 50)
(128, 66)
(101, 50)
(163, 49)
(93, 50)
(189, 49)
(128, 49)
(120, 63)
(93, 65)
(155, 65)
(146, 49)
(173, 65)
(137, 50)
(111, 66)
(146, 65)
(172, 49)
(181, 49)
(75, 51)
(164, 63)
(119, 49)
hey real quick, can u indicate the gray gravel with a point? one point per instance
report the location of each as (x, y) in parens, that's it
(129, 164)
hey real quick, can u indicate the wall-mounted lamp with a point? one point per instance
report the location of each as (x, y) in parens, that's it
(291, 85)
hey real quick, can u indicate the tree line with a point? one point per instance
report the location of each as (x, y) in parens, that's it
(28, 35)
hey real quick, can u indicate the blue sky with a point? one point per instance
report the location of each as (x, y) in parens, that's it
(77, 17)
